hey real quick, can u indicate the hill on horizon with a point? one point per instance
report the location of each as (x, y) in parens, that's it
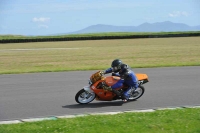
(165, 26)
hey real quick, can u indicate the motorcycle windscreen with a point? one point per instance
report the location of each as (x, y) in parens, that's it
(111, 80)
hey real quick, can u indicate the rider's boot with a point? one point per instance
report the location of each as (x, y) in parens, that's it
(124, 98)
(127, 93)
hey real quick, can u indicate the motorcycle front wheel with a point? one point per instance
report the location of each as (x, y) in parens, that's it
(137, 93)
(84, 97)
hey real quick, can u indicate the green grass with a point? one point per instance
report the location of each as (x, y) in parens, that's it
(165, 121)
(98, 54)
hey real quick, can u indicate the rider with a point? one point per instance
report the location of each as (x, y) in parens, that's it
(127, 77)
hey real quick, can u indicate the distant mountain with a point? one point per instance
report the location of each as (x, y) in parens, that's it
(166, 26)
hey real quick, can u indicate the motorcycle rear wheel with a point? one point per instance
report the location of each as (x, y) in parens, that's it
(138, 93)
(84, 97)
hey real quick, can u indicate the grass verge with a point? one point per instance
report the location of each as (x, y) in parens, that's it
(160, 121)
(98, 54)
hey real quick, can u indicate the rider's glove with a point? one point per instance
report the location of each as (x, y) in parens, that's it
(102, 72)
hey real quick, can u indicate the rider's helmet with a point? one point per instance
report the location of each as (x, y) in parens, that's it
(116, 65)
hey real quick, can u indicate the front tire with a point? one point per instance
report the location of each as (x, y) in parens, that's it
(138, 93)
(84, 97)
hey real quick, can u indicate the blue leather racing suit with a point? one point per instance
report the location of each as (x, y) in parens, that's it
(127, 76)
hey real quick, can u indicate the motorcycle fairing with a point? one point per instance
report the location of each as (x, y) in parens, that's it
(102, 94)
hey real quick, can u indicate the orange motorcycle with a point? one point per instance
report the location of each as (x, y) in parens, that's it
(97, 89)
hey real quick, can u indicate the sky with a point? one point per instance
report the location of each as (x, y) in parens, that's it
(47, 17)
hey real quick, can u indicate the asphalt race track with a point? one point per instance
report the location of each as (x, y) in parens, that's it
(52, 94)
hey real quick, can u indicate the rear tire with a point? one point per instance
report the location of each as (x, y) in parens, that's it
(138, 93)
(84, 97)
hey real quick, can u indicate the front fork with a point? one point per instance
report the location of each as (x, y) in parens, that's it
(88, 91)
(87, 88)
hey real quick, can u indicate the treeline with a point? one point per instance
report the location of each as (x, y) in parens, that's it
(97, 37)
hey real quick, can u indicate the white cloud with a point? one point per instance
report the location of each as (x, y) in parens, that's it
(178, 14)
(41, 19)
